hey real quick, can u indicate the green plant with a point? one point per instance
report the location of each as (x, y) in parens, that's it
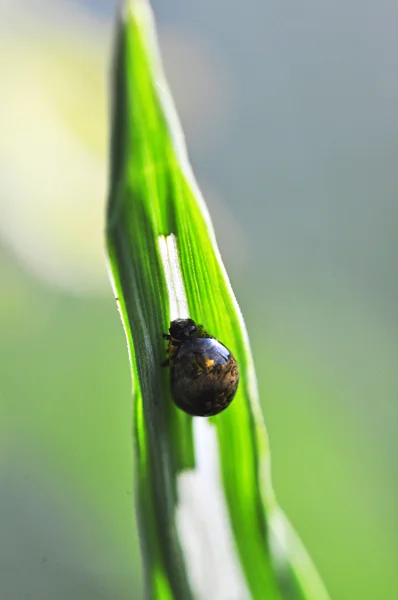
(210, 524)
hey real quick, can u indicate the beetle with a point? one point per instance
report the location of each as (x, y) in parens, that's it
(204, 374)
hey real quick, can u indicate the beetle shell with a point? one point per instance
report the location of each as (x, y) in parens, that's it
(204, 374)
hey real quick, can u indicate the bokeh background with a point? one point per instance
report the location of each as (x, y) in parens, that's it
(290, 111)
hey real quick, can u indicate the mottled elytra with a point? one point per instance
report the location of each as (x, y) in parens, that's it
(204, 374)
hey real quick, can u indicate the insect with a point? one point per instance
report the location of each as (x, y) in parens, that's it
(204, 374)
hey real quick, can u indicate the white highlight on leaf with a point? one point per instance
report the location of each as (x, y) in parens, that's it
(203, 523)
(202, 515)
(172, 271)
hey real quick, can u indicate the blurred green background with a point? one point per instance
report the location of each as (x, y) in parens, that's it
(290, 111)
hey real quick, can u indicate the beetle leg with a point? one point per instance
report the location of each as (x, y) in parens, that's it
(166, 336)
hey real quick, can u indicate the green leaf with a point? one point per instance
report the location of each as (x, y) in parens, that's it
(209, 522)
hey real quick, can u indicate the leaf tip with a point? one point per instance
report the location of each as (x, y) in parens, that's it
(133, 8)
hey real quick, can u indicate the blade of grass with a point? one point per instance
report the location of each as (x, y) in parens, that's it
(210, 526)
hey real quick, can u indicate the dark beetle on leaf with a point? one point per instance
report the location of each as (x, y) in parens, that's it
(204, 374)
